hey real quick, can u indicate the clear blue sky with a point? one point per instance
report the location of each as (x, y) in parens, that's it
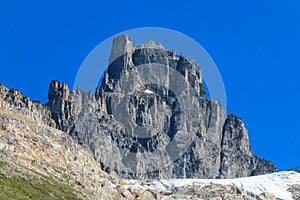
(255, 44)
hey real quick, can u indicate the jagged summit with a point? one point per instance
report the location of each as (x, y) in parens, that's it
(126, 59)
(123, 44)
(174, 131)
(151, 45)
(58, 89)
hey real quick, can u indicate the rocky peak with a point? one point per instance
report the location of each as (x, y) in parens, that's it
(173, 131)
(126, 61)
(58, 90)
(58, 96)
(235, 139)
(150, 45)
(122, 44)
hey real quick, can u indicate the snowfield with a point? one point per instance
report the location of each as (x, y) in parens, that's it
(275, 183)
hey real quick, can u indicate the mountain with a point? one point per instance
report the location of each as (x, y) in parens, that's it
(63, 150)
(150, 118)
(38, 161)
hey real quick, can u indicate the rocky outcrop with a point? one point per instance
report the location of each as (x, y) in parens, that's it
(40, 156)
(31, 150)
(217, 192)
(14, 100)
(235, 139)
(59, 93)
(150, 118)
(295, 190)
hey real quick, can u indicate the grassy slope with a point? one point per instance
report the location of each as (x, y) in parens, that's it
(28, 186)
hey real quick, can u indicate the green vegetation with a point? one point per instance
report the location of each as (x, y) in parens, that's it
(2, 163)
(34, 188)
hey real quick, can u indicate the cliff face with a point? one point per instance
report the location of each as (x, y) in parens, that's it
(14, 100)
(34, 155)
(40, 162)
(150, 118)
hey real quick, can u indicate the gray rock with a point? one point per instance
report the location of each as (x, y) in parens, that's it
(266, 196)
(14, 100)
(150, 118)
(236, 152)
(295, 190)
(216, 191)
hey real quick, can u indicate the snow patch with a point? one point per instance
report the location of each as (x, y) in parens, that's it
(275, 183)
(148, 91)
